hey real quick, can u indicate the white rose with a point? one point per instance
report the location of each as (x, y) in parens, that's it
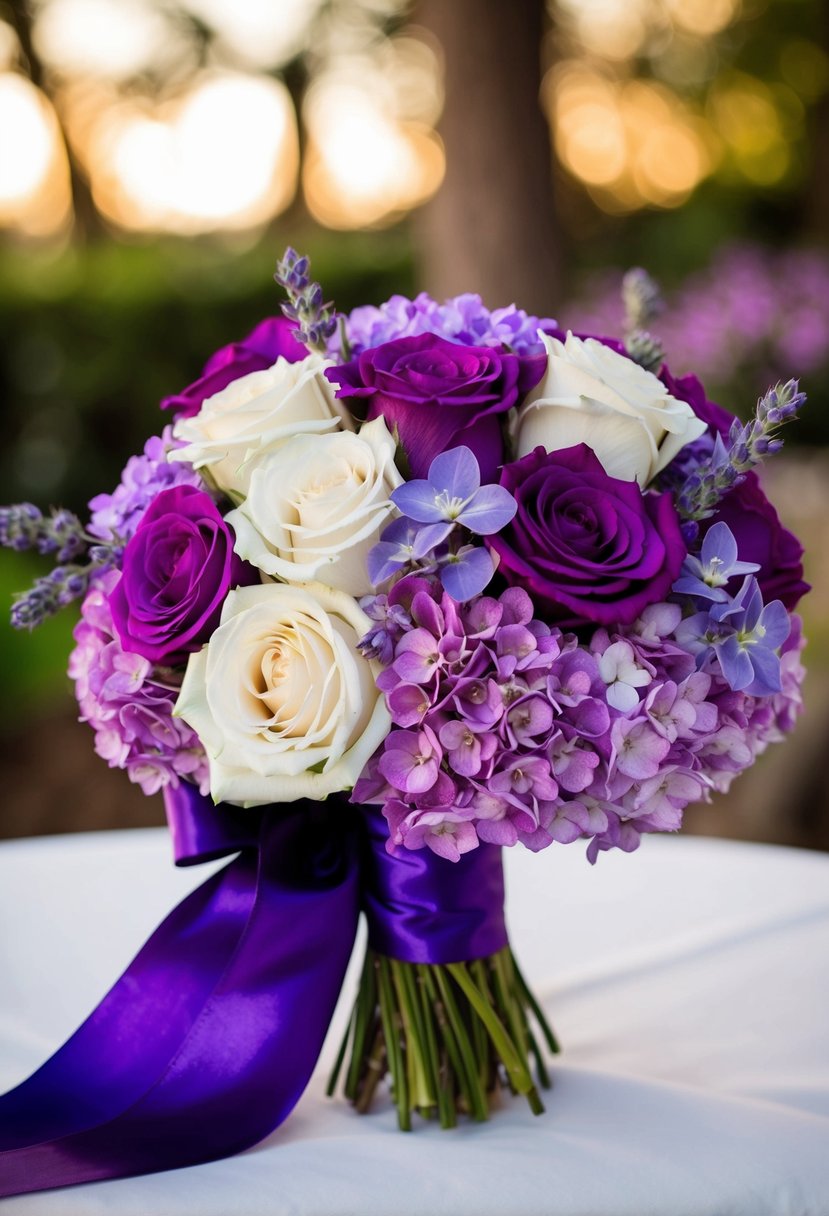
(317, 505)
(281, 698)
(591, 394)
(255, 414)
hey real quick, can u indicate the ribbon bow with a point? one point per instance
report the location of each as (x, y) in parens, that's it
(207, 1041)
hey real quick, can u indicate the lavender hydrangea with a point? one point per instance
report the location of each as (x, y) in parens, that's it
(118, 514)
(129, 704)
(463, 319)
(510, 731)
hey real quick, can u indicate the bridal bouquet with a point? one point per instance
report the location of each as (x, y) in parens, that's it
(392, 591)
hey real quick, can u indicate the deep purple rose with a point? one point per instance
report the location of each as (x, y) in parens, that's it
(762, 538)
(260, 349)
(587, 547)
(440, 395)
(177, 570)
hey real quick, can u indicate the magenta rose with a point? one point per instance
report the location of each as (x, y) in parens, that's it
(177, 570)
(260, 349)
(762, 538)
(587, 547)
(440, 395)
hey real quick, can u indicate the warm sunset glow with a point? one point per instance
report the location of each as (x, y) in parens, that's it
(630, 143)
(224, 155)
(34, 191)
(362, 167)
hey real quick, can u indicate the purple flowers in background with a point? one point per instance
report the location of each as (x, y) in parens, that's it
(129, 708)
(751, 307)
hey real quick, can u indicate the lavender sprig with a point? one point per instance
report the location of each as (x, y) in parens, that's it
(316, 319)
(60, 587)
(747, 446)
(643, 301)
(22, 527)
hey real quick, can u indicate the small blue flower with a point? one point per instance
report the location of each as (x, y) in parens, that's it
(452, 493)
(706, 576)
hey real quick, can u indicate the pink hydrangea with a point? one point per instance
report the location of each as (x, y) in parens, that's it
(507, 730)
(129, 705)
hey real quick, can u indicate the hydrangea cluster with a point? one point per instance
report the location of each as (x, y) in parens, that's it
(117, 515)
(462, 319)
(128, 704)
(507, 730)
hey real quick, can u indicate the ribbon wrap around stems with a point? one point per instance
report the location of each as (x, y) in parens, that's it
(207, 1041)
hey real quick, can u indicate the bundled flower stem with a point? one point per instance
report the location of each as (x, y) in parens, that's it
(450, 1036)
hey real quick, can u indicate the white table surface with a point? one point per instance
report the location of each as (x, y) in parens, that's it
(689, 984)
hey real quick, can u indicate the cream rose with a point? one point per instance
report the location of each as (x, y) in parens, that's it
(317, 505)
(591, 394)
(254, 415)
(281, 698)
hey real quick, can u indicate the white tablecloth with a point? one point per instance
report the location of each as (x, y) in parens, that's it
(689, 984)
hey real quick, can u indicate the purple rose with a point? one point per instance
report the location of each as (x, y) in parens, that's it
(260, 349)
(762, 538)
(177, 570)
(440, 395)
(587, 547)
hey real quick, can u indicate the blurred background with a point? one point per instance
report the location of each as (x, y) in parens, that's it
(156, 156)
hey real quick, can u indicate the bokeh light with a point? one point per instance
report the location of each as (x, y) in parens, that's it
(34, 176)
(224, 155)
(111, 38)
(631, 143)
(363, 167)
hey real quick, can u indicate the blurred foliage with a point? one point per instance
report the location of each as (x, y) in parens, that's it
(94, 337)
(33, 665)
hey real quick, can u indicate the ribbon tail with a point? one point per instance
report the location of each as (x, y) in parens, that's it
(208, 1040)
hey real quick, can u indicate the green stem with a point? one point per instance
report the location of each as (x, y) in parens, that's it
(391, 1029)
(516, 1069)
(537, 1011)
(338, 1063)
(477, 1096)
(364, 1015)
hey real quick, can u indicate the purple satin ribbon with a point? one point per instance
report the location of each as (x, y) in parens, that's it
(423, 909)
(208, 1039)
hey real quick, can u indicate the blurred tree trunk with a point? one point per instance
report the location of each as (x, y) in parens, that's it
(491, 227)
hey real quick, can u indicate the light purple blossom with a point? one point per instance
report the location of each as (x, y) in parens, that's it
(462, 319)
(129, 705)
(505, 731)
(118, 514)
